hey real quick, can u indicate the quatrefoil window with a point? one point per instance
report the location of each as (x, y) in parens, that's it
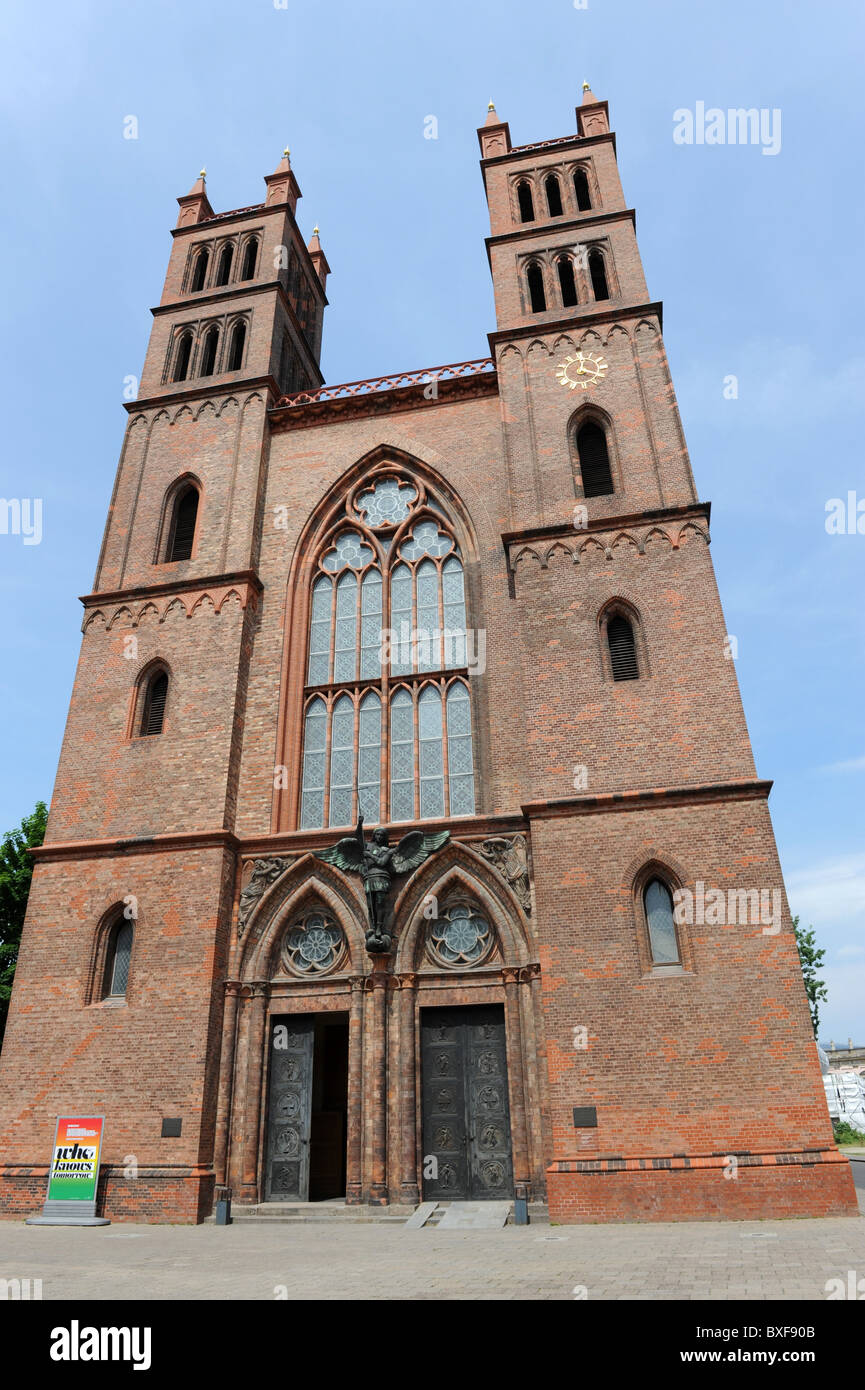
(387, 503)
(313, 945)
(459, 937)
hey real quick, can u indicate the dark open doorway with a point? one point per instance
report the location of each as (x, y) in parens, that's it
(308, 1108)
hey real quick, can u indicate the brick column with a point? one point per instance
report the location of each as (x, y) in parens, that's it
(409, 1193)
(354, 1144)
(259, 991)
(226, 1075)
(376, 984)
(513, 1033)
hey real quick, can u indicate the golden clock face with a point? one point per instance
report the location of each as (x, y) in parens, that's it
(582, 370)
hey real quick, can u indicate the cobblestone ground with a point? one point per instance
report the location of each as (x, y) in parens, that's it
(752, 1260)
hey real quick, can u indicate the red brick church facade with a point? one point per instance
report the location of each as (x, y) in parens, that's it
(544, 1025)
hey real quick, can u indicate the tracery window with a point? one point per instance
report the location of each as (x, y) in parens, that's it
(313, 944)
(460, 936)
(387, 712)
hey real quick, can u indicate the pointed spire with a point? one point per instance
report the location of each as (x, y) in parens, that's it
(282, 186)
(195, 206)
(317, 256)
(592, 115)
(494, 136)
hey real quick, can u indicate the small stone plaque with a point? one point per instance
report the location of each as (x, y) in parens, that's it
(585, 1117)
(171, 1128)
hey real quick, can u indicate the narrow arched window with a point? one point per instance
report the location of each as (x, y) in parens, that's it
(118, 955)
(623, 649)
(223, 269)
(250, 256)
(537, 293)
(554, 195)
(526, 202)
(184, 516)
(581, 189)
(598, 274)
(663, 939)
(153, 704)
(594, 460)
(208, 352)
(182, 355)
(199, 270)
(235, 352)
(387, 723)
(567, 283)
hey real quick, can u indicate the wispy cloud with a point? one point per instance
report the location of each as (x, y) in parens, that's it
(831, 893)
(848, 765)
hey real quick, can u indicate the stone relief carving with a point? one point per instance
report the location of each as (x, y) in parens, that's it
(264, 873)
(511, 858)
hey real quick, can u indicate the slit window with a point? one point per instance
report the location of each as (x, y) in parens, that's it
(208, 356)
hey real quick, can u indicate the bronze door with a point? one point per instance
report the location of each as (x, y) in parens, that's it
(466, 1121)
(290, 1113)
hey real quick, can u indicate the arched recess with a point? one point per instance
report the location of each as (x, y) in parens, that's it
(620, 607)
(593, 414)
(337, 510)
(458, 869)
(153, 670)
(173, 493)
(671, 874)
(308, 881)
(113, 919)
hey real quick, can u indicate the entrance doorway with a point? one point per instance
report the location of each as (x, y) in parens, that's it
(308, 1109)
(466, 1119)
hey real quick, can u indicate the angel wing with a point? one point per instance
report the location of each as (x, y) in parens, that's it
(414, 848)
(346, 854)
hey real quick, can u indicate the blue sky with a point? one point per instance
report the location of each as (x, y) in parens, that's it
(757, 259)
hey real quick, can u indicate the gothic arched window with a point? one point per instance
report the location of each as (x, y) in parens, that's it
(118, 956)
(526, 202)
(235, 351)
(623, 649)
(199, 270)
(155, 694)
(554, 195)
(223, 269)
(567, 283)
(249, 258)
(537, 293)
(208, 353)
(387, 711)
(184, 516)
(663, 939)
(182, 356)
(598, 273)
(581, 188)
(594, 459)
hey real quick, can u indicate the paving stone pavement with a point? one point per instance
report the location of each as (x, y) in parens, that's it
(748, 1259)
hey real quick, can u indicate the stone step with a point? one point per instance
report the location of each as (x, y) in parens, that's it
(324, 1212)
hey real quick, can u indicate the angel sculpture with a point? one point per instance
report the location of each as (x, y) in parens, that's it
(379, 863)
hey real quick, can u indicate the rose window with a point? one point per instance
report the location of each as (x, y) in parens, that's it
(426, 539)
(387, 503)
(313, 946)
(460, 937)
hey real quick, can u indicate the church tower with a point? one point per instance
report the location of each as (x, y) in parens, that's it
(474, 605)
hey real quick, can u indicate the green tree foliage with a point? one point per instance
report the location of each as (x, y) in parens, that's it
(16, 870)
(811, 959)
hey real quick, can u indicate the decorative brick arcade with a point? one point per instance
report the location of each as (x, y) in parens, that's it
(542, 1024)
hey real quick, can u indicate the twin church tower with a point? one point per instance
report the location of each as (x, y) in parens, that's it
(550, 1021)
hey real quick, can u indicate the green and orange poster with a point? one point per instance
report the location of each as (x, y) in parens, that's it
(75, 1161)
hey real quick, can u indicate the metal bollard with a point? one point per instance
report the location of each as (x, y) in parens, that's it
(223, 1207)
